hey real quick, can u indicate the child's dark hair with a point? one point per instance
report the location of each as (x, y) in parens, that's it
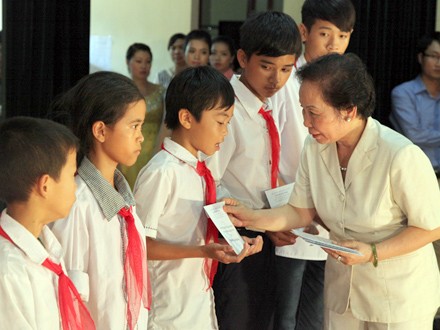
(228, 41)
(174, 38)
(198, 35)
(339, 12)
(135, 47)
(196, 89)
(344, 82)
(271, 34)
(101, 96)
(30, 148)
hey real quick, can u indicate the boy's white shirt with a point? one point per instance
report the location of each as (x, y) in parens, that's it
(170, 196)
(28, 290)
(242, 167)
(94, 259)
(293, 133)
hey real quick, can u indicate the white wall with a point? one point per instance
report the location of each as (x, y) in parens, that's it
(293, 8)
(148, 21)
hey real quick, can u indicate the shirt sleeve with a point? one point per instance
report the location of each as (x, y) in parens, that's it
(415, 188)
(73, 235)
(153, 188)
(302, 195)
(17, 305)
(407, 119)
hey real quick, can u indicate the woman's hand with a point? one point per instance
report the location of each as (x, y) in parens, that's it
(240, 215)
(349, 258)
(282, 238)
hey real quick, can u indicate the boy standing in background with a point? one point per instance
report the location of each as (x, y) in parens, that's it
(326, 28)
(247, 163)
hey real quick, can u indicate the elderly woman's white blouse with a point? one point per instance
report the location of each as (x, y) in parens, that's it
(389, 186)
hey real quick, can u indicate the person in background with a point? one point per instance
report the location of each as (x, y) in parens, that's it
(376, 193)
(416, 103)
(326, 28)
(223, 55)
(103, 238)
(247, 163)
(37, 180)
(175, 47)
(197, 47)
(139, 59)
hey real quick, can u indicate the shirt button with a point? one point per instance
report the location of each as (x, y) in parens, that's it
(342, 197)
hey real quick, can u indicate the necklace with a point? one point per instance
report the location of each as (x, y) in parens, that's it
(343, 169)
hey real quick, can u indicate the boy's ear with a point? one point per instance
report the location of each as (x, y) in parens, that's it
(185, 118)
(41, 187)
(242, 58)
(303, 32)
(98, 130)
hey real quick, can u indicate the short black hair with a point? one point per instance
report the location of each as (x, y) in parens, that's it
(174, 38)
(196, 89)
(30, 148)
(339, 12)
(271, 34)
(132, 49)
(101, 96)
(198, 35)
(227, 40)
(426, 41)
(344, 82)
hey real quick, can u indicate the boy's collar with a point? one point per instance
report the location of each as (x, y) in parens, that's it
(182, 153)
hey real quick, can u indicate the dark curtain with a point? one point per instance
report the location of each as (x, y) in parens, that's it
(385, 37)
(46, 51)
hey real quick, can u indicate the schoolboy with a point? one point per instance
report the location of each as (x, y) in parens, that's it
(37, 167)
(326, 27)
(247, 163)
(170, 195)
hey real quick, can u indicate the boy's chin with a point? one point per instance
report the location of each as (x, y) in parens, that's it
(209, 153)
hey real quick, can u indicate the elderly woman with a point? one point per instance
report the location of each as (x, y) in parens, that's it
(375, 191)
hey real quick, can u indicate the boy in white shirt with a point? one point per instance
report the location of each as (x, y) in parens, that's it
(37, 166)
(247, 164)
(326, 27)
(170, 194)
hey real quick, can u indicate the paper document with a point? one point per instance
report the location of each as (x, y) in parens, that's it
(279, 196)
(323, 242)
(225, 226)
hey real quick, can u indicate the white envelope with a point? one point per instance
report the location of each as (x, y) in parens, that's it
(225, 226)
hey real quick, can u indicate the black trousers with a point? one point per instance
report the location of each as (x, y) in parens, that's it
(245, 292)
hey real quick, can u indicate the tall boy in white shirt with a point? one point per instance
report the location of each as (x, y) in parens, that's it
(170, 195)
(247, 163)
(326, 27)
(37, 168)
